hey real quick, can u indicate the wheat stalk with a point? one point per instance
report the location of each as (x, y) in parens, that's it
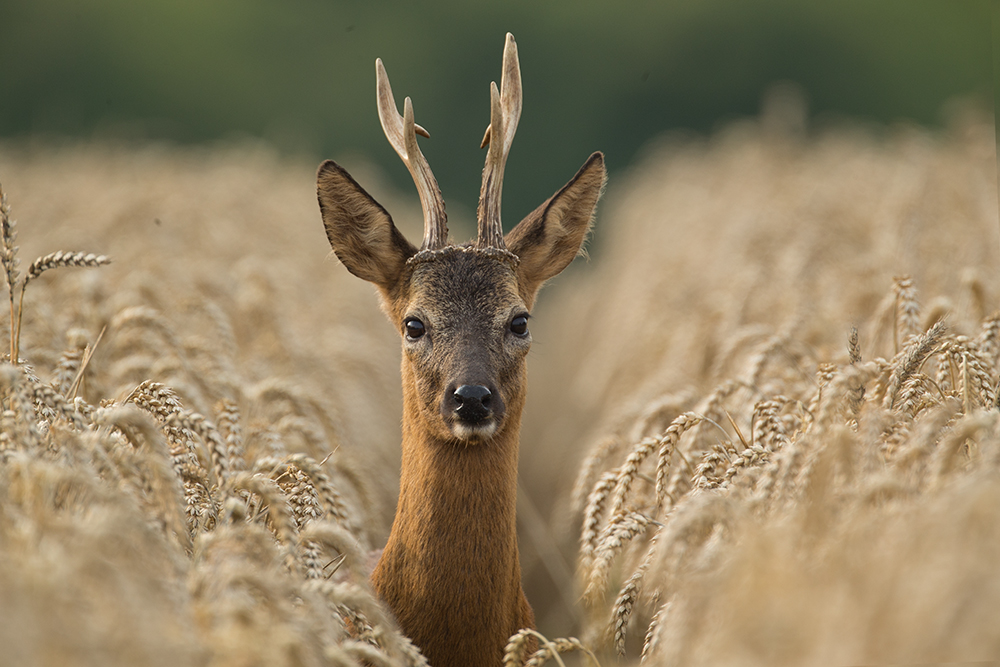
(907, 314)
(37, 268)
(8, 257)
(70, 361)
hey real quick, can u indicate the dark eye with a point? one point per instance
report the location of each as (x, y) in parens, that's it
(414, 328)
(519, 325)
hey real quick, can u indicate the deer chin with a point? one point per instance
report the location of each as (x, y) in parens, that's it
(474, 434)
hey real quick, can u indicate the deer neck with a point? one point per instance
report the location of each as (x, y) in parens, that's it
(450, 569)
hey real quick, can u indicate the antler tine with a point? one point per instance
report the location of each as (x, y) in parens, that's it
(505, 111)
(402, 131)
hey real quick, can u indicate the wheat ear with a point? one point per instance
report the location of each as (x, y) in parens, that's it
(621, 530)
(668, 444)
(332, 499)
(229, 427)
(363, 653)
(921, 347)
(907, 310)
(627, 597)
(596, 502)
(62, 258)
(197, 423)
(14, 382)
(40, 266)
(519, 644)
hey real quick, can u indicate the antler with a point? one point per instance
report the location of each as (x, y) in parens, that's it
(402, 133)
(505, 110)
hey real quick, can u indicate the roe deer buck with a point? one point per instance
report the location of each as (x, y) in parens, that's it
(450, 570)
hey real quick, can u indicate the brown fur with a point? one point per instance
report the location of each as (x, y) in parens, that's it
(450, 569)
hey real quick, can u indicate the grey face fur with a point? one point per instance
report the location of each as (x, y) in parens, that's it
(466, 301)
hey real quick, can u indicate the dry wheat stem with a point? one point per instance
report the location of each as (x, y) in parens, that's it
(88, 354)
(8, 257)
(69, 360)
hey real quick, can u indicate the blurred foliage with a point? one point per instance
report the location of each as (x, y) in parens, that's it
(597, 74)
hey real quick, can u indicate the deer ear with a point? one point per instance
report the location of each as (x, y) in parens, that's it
(360, 231)
(548, 239)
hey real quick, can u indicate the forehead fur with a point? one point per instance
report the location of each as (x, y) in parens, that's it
(462, 278)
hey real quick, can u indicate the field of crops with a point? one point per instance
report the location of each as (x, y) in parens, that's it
(762, 424)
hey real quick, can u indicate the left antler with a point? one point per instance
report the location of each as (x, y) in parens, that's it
(402, 131)
(505, 110)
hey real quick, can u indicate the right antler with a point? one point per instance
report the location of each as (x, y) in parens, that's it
(505, 111)
(402, 131)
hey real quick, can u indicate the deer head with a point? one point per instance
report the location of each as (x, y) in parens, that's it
(461, 310)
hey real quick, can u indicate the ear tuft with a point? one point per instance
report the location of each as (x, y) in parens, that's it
(548, 239)
(360, 231)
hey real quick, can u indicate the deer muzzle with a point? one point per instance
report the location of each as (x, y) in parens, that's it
(472, 410)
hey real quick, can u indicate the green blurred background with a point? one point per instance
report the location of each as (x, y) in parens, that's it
(299, 74)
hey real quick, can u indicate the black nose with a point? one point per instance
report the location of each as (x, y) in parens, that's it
(473, 402)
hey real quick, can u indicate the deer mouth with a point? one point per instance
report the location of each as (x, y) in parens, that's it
(473, 431)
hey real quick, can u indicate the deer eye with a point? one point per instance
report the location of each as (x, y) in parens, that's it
(414, 328)
(519, 325)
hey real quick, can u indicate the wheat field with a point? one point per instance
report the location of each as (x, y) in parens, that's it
(762, 423)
